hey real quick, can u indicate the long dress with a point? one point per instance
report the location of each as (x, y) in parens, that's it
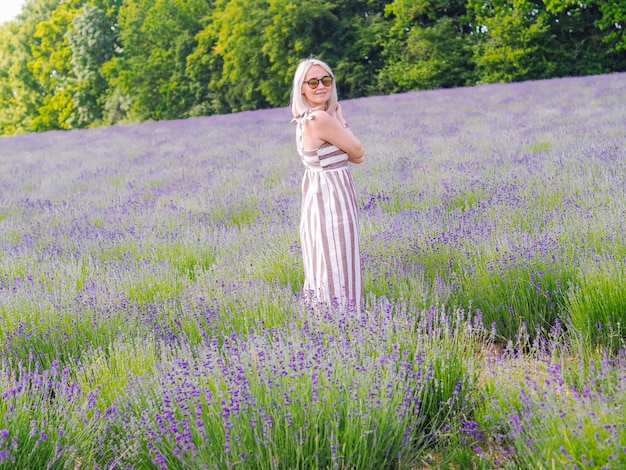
(329, 225)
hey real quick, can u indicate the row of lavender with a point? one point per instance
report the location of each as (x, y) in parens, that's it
(150, 276)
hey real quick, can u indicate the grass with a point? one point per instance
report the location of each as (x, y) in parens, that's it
(548, 421)
(596, 304)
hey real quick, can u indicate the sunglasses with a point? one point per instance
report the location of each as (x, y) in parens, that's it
(313, 83)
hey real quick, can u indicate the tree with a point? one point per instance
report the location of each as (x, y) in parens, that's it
(51, 65)
(157, 36)
(513, 36)
(202, 66)
(91, 41)
(295, 31)
(356, 45)
(578, 46)
(80, 63)
(259, 44)
(613, 21)
(428, 46)
(238, 28)
(10, 115)
(22, 92)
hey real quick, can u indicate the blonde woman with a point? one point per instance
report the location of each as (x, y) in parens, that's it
(329, 224)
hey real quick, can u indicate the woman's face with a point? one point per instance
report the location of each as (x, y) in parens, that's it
(320, 95)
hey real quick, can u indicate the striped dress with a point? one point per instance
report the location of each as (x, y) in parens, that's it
(329, 225)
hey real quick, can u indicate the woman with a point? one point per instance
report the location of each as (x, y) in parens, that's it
(329, 225)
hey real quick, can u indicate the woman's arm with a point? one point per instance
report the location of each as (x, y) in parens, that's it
(334, 129)
(346, 126)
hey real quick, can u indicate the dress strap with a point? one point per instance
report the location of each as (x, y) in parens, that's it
(307, 115)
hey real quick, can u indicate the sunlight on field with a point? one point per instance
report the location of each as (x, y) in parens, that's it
(150, 290)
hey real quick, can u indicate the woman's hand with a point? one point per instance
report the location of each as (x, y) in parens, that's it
(339, 115)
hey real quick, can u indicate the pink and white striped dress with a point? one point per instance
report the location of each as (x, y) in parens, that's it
(329, 225)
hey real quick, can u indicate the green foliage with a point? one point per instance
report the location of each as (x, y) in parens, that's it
(429, 46)
(280, 264)
(297, 30)
(190, 259)
(512, 42)
(33, 433)
(21, 91)
(239, 27)
(50, 65)
(357, 45)
(157, 36)
(86, 63)
(578, 45)
(202, 65)
(92, 44)
(613, 21)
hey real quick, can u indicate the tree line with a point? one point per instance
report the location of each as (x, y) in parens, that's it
(69, 64)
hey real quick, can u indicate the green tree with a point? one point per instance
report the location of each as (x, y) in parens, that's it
(113, 105)
(238, 27)
(295, 31)
(10, 115)
(259, 45)
(51, 65)
(533, 39)
(81, 63)
(21, 91)
(157, 36)
(357, 44)
(513, 36)
(91, 41)
(429, 46)
(577, 47)
(202, 66)
(613, 21)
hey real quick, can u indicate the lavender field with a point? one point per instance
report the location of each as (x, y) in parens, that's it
(150, 277)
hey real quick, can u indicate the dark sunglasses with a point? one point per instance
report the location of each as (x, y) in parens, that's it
(313, 83)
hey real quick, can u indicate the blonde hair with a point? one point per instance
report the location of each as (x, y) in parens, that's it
(298, 104)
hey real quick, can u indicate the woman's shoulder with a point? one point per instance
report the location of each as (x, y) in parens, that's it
(311, 115)
(319, 116)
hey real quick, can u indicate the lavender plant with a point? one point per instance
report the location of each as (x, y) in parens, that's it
(150, 276)
(327, 390)
(548, 414)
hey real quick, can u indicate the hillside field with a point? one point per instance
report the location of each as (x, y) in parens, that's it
(150, 290)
